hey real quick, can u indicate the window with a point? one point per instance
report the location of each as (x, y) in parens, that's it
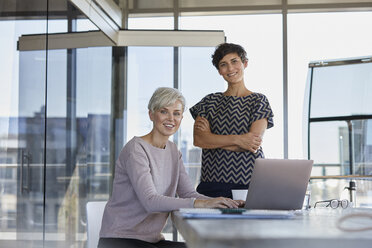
(314, 37)
(261, 36)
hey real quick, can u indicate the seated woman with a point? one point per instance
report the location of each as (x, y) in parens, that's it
(148, 174)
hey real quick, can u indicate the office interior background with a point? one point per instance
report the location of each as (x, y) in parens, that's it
(66, 110)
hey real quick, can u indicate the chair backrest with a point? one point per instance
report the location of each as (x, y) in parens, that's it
(94, 219)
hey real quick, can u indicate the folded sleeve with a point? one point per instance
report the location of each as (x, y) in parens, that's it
(263, 110)
(200, 109)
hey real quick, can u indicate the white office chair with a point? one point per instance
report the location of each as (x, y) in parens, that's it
(94, 219)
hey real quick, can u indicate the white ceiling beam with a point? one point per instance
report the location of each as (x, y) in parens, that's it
(173, 38)
(100, 15)
(64, 41)
(169, 38)
(112, 10)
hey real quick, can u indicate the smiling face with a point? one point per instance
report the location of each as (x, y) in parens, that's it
(231, 68)
(167, 120)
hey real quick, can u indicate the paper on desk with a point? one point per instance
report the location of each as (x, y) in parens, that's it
(200, 213)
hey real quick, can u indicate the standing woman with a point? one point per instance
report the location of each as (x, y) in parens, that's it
(229, 126)
(148, 174)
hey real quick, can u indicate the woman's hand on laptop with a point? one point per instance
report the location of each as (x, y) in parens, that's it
(219, 202)
(240, 202)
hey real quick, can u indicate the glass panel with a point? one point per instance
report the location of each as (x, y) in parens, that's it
(224, 3)
(329, 148)
(57, 26)
(22, 102)
(85, 25)
(56, 144)
(347, 87)
(78, 140)
(314, 37)
(335, 137)
(262, 39)
(148, 69)
(150, 4)
(326, 189)
(151, 23)
(31, 128)
(362, 146)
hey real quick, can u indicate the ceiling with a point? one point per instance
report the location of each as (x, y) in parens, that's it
(34, 9)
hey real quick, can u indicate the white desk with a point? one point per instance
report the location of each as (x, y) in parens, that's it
(314, 229)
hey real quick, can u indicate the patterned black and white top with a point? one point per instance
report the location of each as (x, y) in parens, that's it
(231, 115)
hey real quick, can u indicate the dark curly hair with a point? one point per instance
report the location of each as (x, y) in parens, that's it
(225, 48)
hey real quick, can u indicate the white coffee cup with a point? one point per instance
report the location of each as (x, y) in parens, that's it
(239, 194)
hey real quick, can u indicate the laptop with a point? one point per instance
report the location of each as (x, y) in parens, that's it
(278, 184)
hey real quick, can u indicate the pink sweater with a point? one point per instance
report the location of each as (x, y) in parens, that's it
(146, 181)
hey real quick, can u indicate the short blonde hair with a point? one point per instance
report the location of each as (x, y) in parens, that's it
(165, 96)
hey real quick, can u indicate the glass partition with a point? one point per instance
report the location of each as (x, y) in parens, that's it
(329, 145)
(316, 37)
(341, 90)
(340, 128)
(148, 69)
(22, 128)
(336, 188)
(55, 124)
(78, 139)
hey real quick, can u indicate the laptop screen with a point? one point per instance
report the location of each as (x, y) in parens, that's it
(278, 184)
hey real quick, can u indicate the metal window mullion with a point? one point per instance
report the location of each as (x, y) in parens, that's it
(309, 113)
(285, 80)
(71, 98)
(177, 137)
